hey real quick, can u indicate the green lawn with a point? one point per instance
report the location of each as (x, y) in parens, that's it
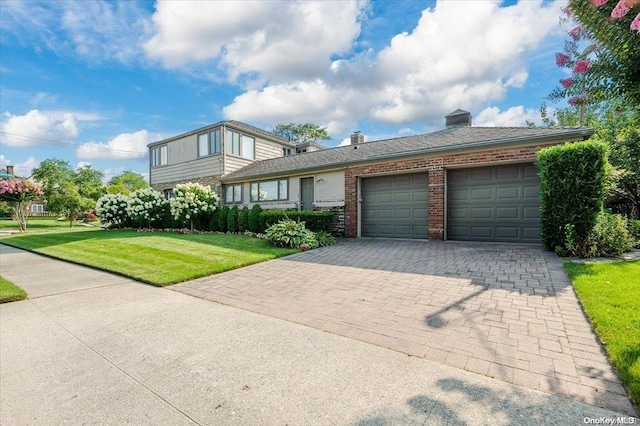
(610, 294)
(9, 292)
(159, 258)
(40, 224)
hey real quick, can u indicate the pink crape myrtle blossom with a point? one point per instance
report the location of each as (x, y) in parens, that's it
(635, 25)
(567, 82)
(574, 100)
(581, 66)
(620, 10)
(562, 59)
(598, 3)
(575, 33)
(18, 193)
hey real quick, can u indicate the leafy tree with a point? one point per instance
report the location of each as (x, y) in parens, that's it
(18, 194)
(68, 192)
(301, 133)
(126, 182)
(618, 47)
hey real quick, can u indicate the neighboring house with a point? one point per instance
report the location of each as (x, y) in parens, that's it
(310, 146)
(205, 154)
(460, 183)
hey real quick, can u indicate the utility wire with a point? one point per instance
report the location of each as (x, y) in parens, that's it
(64, 144)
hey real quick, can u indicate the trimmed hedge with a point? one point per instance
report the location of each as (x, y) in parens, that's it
(572, 188)
(254, 218)
(314, 221)
(243, 219)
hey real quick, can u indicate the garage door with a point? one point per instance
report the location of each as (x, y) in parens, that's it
(494, 204)
(395, 206)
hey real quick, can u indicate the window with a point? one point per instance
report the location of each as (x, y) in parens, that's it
(209, 143)
(248, 146)
(233, 142)
(234, 194)
(241, 145)
(203, 145)
(214, 142)
(159, 156)
(168, 194)
(270, 190)
(286, 152)
(37, 208)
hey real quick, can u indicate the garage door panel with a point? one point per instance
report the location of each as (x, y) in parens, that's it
(395, 206)
(507, 212)
(494, 204)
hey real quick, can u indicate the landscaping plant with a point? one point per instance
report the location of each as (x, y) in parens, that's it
(19, 193)
(573, 179)
(289, 233)
(222, 218)
(146, 207)
(254, 219)
(191, 202)
(232, 219)
(243, 219)
(112, 210)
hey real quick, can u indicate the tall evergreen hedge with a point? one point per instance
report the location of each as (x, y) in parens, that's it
(573, 180)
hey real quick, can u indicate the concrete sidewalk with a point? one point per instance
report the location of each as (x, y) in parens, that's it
(93, 348)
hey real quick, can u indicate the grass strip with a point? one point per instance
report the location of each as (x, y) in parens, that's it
(610, 295)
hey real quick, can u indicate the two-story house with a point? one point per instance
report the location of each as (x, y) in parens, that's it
(206, 154)
(458, 183)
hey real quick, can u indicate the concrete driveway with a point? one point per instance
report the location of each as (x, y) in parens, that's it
(93, 348)
(502, 311)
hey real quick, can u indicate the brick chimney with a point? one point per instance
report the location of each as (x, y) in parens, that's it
(458, 118)
(357, 138)
(10, 170)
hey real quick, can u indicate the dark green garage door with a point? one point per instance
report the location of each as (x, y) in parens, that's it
(494, 204)
(395, 206)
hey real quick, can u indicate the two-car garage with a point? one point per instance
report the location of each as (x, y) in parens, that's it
(496, 203)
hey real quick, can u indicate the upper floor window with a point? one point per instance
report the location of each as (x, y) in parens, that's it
(286, 152)
(240, 145)
(270, 190)
(233, 194)
(209, 143)
(159, 156)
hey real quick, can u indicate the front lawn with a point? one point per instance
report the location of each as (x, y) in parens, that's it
(610, 294)
(9, 292)
(159, 258)
(40, 224)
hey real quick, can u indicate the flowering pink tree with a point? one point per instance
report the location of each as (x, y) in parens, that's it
(621, 9)
(19, 193)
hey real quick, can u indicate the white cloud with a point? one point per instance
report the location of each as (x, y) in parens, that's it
(96, 30)
(125, 146)
(25, 168)
(82, 164)
(255, 40)
(513, 117)
(111, 172)
(36, 128)
(460, 55)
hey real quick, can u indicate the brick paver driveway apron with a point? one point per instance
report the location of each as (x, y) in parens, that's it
(503, 311)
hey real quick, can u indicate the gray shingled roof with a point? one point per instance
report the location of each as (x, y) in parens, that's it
(450, 139)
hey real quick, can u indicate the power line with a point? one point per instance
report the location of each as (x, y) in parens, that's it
(65, 144)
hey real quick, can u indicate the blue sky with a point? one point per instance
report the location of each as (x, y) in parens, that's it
(93, 82)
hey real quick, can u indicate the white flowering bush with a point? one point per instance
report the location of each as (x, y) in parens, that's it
(112, 209)
(147, 207)
(192, 202)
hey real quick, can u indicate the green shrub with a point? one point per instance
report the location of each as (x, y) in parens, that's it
(573, 180)
(609, 237)
(314, 221)
(634, 230)
(325, 239)
(254, 219)
(232, 219)
(5, 210)
(222, 218)
(243, 219)
(214, 224)
(289, 233)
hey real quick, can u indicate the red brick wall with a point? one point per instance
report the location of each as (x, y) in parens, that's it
(436, 167)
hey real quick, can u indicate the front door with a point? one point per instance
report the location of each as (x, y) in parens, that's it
(306, 193)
